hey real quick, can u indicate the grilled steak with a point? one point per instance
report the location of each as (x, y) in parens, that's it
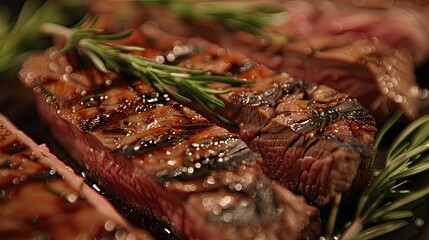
(314, 140)
(40, 198)
(366, 60)
(141, 146)
(311, 138)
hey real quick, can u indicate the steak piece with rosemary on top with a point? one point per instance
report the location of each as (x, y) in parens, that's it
(139, 145)
(373, 61)
(41, 198)
(315, 140)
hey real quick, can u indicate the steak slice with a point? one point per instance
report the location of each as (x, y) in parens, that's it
(41, 198)
(156, 155)
(311, 138)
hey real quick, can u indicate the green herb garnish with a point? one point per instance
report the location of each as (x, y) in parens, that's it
(247, 16)
(20, 38)
(184, 84)
(382, 208)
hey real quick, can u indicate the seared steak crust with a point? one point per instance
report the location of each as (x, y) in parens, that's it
(153, 153)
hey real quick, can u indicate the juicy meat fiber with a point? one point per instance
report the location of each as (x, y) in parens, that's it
(156, 155)
(40, 198)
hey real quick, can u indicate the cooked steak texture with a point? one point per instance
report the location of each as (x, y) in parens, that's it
(41, 198)
(141, 146)
(313, 139)
(372, 60)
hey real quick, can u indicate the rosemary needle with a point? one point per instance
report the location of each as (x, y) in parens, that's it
(184, 84)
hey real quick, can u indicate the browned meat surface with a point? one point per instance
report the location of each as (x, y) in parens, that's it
(41, 199)
(369, 54)
(139, 145)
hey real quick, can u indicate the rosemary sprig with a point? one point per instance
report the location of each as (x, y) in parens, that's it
(381, 209)
(184, 84)
(246, 16)
(12, 37)
(18, 39)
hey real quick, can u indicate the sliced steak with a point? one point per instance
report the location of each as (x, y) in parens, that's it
(41, 198)
(311, 138)
(372, 60)
(140, 146)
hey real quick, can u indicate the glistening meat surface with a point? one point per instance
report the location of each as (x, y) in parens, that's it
(40, 198)
(156, 155)
(311, 138)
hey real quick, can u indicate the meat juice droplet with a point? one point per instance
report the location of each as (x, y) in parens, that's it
(16, 181)
(171, 162)
(68, 69)
(217, 210)
(120, 234)
(2, 193)
(53, 66)
(72, 197)
(109, 225)
(65, 77)
(419, 222)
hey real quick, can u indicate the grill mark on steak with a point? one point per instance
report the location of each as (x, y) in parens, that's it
(44, 175)
(106, 119)
(243, 67)
(101, 121)
(152, 143)
(197, 174)
(13, 148)
(272, 95)
(351, 144)
(352, 111)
